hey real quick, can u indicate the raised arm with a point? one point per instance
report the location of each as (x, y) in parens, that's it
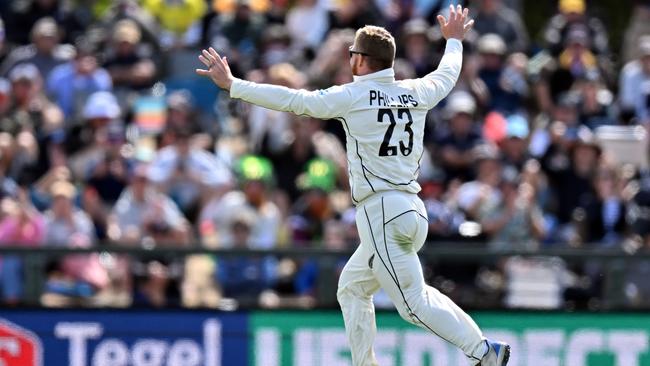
(328, 103)
(440, 82)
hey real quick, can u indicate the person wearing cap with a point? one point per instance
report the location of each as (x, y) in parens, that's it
(66, 225)
(493, 16)
(88, 140)
(256, 179)
(384, 121)
(454, 146)
(45, 51)
(69, 84)
(514, 146)
(634, 97)
(576, 57)
(30, 110)
(503, 76)
(313, 207)
(142, 212)
(417, 46)
(127, 63)
(572, 13)
(181, 111)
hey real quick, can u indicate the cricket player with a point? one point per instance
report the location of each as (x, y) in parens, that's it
(384, 123)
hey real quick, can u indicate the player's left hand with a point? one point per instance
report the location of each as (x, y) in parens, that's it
(458, 23)
(218, 69)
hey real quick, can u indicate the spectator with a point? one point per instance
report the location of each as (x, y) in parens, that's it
(87, 137)
(571, 180)
(307, 23)
(634, 84)
(502, 76)
(181, 112)
(142, 215)
(263, 231)
(71, 83)
(514, 146)
(268, 127)
(417, 46)
(245, 277)
(330, 62)
(596, 106)
(638, 26)
(187, 173)
(77, 275)
(517, 222)
(24, 226)
(30, 110)
(572, 14)
(24, 14)
(178, 20)
(576, 57)
(45, 52)
(459, 138)
(493, 16)
(481, 196)
(129, 66)
(239, 32)
(603, 219)
(8, 186)
(444, 216)
(313, 208)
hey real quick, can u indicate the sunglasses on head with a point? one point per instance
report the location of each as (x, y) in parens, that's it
(352, 52)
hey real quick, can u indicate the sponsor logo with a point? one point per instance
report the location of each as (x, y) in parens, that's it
(19, 346)
(143, 352)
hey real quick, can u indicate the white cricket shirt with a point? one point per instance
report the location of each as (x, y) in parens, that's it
(383, 119)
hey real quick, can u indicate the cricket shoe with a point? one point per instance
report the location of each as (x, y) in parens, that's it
(497, 355)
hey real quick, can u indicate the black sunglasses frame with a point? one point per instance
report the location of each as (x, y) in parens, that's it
(352, 52)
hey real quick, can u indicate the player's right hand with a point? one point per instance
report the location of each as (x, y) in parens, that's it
(458, 23)
(218, 68)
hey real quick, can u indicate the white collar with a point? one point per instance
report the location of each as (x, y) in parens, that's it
(386, 74)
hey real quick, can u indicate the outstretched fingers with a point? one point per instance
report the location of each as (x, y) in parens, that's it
(205, 61)
(469, 25)
(209, 57)
(442, 21)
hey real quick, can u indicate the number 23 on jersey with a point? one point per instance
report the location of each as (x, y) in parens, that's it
(386, 149)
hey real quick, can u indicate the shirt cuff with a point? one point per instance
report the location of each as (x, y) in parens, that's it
(454, 44)
(236, 87)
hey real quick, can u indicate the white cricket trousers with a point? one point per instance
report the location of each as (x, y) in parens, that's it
(393, 227)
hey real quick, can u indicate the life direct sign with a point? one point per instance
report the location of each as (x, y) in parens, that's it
(122, 337)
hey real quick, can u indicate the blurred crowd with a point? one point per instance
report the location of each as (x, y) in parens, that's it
(107, 136)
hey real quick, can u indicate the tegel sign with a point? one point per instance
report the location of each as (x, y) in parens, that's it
(122, 338)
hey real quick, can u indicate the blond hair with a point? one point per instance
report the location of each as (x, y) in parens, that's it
(377, 44)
